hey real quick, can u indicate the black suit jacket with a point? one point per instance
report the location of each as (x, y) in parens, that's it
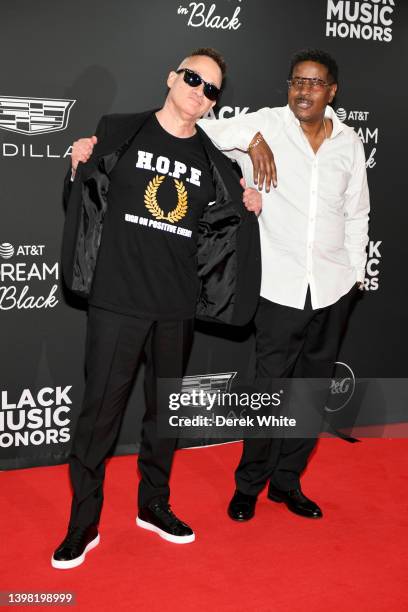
(229, 263)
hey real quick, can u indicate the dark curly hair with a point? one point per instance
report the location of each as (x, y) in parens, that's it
(319, 56)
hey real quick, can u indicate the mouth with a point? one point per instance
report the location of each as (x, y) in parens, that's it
(195, 99)
(304, 103)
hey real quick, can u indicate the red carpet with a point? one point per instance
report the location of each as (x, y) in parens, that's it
(355, 559)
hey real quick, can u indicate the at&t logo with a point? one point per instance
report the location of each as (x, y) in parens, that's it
(368, 136)
(353, 115)
(6, 250)
(27, 284)
(341, 114)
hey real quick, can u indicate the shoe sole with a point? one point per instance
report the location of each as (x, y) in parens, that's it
(278, 500)
(163, 534)
(78, 560)
(240, 520)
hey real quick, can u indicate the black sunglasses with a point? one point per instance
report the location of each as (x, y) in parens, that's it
(194, 80)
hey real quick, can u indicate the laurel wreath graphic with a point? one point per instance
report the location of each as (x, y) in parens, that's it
(151, 203)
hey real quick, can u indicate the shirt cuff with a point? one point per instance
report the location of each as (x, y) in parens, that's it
(361, 275)
(246, 137)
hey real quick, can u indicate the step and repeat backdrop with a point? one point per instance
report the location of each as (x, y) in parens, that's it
(67, 63)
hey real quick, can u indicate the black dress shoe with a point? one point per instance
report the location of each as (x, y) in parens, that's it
(242, 506)
(159, 518)
(72, 551)
(295, 501)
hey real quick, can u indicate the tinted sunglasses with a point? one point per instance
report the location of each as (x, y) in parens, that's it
(194, 80)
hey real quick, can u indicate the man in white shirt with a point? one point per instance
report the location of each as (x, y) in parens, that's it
(313, 240)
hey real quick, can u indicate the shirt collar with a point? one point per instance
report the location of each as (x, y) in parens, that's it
(338, 126)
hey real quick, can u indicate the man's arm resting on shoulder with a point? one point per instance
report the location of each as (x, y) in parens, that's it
(244, 134)
(357, 208)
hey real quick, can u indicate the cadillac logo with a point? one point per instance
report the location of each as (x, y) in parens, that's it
(209, 383)
(34, 115)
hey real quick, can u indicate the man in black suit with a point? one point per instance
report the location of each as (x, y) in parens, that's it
(143, 245)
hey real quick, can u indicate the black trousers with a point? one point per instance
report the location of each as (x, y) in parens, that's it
(290, 343)
(116, 345)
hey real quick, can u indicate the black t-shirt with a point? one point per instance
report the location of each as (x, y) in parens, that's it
(147, 261)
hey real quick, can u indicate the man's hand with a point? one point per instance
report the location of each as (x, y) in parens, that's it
(82, 151)
(263, 163)
(251, 198)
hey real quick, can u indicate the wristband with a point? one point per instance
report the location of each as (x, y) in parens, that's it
(257, 141)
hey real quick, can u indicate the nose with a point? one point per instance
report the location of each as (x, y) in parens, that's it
(305, 87)
(200, 89)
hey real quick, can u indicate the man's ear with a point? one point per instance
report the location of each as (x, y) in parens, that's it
(171, 78)
(333, 90)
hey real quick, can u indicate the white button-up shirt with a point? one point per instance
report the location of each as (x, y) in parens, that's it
(314, 225)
